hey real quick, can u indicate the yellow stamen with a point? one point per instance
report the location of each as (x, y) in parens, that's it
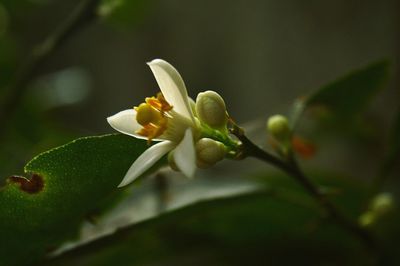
(152, 116)
(159, 103)
(147, 114)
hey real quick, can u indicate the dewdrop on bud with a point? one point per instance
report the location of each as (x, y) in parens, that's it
(278, 126)
(209, 152)
(211, 109)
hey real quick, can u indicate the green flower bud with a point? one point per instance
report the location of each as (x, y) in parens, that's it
(367, 218)
(378, 208)
(382, 203)
(211, 109)
(278, 126)
(209, 152)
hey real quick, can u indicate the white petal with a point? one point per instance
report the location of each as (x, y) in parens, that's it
(146, 160)
(125, 122)
(172, 86)
(185, 155)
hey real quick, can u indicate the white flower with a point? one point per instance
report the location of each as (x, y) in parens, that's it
(167, 117)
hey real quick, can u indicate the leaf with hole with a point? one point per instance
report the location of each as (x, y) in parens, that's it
(66, 185)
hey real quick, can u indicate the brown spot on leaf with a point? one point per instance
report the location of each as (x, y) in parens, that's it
(31, 186)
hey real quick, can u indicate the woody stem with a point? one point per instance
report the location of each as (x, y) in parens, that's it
(291, 167)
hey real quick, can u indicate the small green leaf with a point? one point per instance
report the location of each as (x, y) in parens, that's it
(67, 184)
(347, 96)
(352, 92)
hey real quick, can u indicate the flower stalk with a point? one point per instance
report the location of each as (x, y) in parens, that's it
(291, 167)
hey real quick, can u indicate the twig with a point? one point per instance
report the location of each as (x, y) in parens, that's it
(291, 167)
(83, 15)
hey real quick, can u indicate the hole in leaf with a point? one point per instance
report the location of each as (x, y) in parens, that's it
(31, 186)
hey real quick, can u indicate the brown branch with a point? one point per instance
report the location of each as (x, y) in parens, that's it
(249, 149)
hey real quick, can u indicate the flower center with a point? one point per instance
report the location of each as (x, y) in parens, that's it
(152, 115)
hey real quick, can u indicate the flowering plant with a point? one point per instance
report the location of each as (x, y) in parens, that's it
(186, 128)
(172, 129)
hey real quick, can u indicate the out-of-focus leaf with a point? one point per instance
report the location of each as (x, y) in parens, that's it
(18, 8)
(4, 20)
(7, 60)
(67, 184)
(259, 228)
(394, 147)
(347, 96)
(30, 132)
(123, 12)
(348, 193)
(351, 93)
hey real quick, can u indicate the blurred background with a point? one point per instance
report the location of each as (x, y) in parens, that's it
(260, 55)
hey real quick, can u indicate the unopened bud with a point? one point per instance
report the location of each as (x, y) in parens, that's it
(367, 218)
(278, 126)
(209, 152)
(382, 203)
(211, 109)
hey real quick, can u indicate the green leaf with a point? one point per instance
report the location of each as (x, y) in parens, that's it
(352, 92)
(68, 184)
(257, 228)
(347, 96)
(391, 157)
(393, 154)
(7, 60)
(260, 227)
(345, 191)
(123, 13)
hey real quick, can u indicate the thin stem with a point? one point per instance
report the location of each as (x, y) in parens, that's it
(249, 149)
(84, 13)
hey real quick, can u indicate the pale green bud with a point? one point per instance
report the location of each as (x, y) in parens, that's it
(209, 152)
(382, 203)
(211, 109)
(367, 218)
(278, 126)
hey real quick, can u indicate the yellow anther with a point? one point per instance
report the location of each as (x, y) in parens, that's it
(152, 116)
(159, 103)
(151, 131)
(147, 114)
